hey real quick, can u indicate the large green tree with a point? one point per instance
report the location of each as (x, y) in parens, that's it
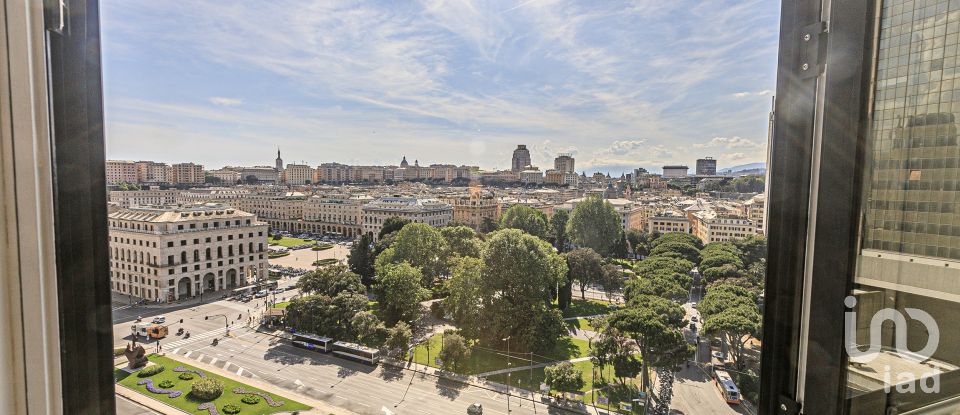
(419, 245)
(655, 324)
(595, 224)
(465, 300)
(325, 315)
(391, 225)
(584, 266)
(736, 326)
(655, 285)
(398, 339)
(558, 230)
(564, 377)
(399, 293)
(676, 237)
(684, 250)
(454, 353)
(330, 281)
(461, 241)
(518, 272)
(361, 258)
(525, 218)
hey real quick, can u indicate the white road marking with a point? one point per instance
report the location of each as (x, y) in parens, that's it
(214, 360)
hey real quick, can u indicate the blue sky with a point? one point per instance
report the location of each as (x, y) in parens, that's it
(620, 84)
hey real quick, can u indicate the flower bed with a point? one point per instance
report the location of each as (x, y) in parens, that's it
(265, 396)
(250, 399)
(166, 384)
(188, 371)
(231, 409)
(153, 389)
(325, 262)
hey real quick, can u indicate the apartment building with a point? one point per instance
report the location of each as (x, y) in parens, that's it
(281, 210)
(155, 197)
(226, 195)
(121, 171)
(429, 211)
(226, 176)
(472, 208)
(756, 210)
(668, 223)
(710, 226)
(168, 253)
(298, 174)
(334, 214)
(185, 173)
(151, 172)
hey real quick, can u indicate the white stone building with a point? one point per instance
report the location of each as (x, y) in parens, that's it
(168, 253)
(430, 211)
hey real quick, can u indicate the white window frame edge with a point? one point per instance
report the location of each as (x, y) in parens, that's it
(30, 381)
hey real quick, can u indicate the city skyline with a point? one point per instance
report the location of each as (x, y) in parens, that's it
(366, 85)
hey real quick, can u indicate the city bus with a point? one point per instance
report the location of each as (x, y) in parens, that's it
(727, 388)
(313, 342)
(356, 352)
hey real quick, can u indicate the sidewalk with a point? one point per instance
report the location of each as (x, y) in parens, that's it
(528, 367)
(319, 408)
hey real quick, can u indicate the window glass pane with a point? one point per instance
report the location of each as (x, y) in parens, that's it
(902, 337)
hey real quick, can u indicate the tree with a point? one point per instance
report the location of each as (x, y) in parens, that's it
(399, 293)
(325, 315)
(214, 180)
(518, 273)
(398, 339)
(365, 326)
(753, 247)
(724, 296)
(604, 348)
(361, 259)
(656, 285)
(525, 218)
(638, 241)
(595, 224)
(620, 248)
(677, 269)
(464, 302)
(251, 179)
(610, 279)
(488, 225)
(655, 325)
(558, 229)
(564, 377)
(677, 237)
(420, 245)
(454, 353)
(461, 241)
(624, 364)
(685, 250)
(392, 224)
(330, 281)
(736, 325)
(584, 267)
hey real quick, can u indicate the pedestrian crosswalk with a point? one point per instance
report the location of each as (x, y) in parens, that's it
(202, 336)
(214, 361)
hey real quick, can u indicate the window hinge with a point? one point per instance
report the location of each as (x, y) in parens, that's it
(55, 16)
(788, 406)
(812, 42)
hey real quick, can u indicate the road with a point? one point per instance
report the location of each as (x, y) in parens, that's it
(356, 387)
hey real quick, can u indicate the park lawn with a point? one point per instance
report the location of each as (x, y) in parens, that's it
(580, 323)
(579, 308)
(189, 404)
(291, 242)
(483, 359)
(282, 305)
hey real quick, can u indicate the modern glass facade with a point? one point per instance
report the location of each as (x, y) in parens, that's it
(910, 247)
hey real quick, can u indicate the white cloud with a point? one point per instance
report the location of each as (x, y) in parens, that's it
(226, 102)
(727, 142)
(763, 93)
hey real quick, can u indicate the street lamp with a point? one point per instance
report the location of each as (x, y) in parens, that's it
(507, 339)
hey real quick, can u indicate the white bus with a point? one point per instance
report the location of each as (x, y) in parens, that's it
(727, 388)
(356, 352)
(313, 342)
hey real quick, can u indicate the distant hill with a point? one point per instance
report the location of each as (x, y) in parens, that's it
(752, 167)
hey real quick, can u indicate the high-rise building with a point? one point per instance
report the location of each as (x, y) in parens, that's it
(706, 166)
(151, 172)
(298, 174)
(521, 158)
(674, 172)
(563, 163)
(278, 163)
(121, 171)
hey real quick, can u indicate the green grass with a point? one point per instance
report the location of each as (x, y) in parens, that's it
(282, 305)
(278, 254)
(322, 246)
(290, 242)
(485, 359)
(580, 307)
(324, 262)
(580, 323)
(189, 404)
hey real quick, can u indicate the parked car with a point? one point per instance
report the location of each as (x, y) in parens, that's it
(159, 320)
(260, 294)
(693, 318)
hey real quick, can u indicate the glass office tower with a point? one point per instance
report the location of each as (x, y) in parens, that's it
(910, 247)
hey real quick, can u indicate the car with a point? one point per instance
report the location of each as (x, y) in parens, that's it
(278, 291)
(693, 305)
(693, 327)
(289, 287)
(159, 320)
(246, 298)
(475, 409)
(718, 355)
(260, 294)
(693, 318)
